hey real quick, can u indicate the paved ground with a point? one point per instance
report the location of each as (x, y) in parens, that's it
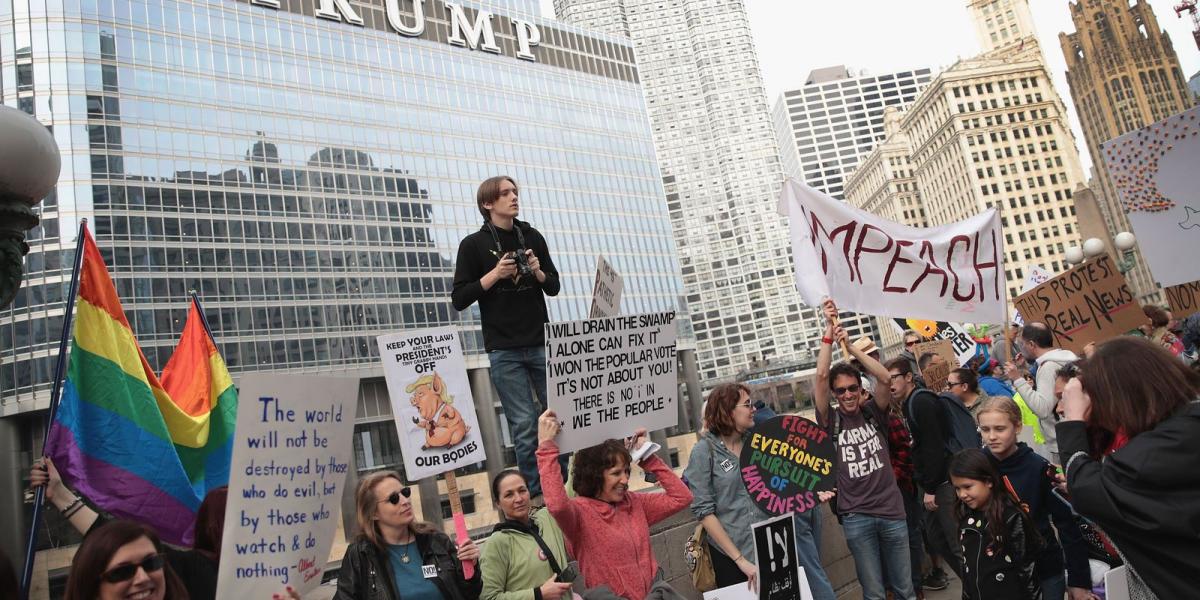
(954, 592)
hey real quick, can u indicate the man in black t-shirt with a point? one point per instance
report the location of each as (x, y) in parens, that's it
(506, 267)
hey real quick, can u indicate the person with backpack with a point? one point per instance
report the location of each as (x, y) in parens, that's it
(868, 503)
(1038, 344)
(940, 426)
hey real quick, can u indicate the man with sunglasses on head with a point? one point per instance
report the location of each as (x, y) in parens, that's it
(868, 503)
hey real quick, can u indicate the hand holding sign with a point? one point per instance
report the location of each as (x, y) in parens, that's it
(787, 463)
(548, 426)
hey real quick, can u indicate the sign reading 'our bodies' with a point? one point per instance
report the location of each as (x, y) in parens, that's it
(607, 377)
(431, 400)
(291, 456)
(786, 461)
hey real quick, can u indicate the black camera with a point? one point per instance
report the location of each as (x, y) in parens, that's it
(522, 260)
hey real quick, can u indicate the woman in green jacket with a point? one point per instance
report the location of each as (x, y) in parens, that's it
(515, 565)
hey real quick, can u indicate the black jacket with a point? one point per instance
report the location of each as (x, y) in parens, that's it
(512, 313)
(366, 574)
(927, 424)
(999, 570)
(1026, 471)
(1146, 497)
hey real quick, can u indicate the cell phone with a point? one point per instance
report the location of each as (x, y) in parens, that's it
(569, 574)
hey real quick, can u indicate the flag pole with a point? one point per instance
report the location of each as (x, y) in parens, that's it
(55, 394)
(203, 319)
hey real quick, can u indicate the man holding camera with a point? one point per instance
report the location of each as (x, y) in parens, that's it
(506, 267)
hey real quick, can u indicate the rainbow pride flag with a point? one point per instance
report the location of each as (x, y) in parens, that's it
(109, 438)
(200, 386)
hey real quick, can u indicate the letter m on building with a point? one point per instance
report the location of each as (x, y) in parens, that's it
(480, 28)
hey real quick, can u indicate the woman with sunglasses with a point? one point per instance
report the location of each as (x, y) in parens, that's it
(525, 557)
(393, 552)
(607, 525)
(122, 559)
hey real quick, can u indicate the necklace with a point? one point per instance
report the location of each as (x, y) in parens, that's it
(404, 558)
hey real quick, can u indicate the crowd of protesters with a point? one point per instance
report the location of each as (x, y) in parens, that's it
(1030, 473)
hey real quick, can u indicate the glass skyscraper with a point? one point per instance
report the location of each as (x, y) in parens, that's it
(308, 167)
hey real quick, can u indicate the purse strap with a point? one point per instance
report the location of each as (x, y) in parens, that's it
(545, 549)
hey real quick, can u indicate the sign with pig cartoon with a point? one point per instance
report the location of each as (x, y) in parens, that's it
(431, 401)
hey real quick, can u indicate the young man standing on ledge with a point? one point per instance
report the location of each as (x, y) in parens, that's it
(506, 267)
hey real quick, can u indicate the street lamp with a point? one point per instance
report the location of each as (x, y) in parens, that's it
(29, 166)
(1093, 247)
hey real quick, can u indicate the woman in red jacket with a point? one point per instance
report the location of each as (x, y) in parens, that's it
(608, 526)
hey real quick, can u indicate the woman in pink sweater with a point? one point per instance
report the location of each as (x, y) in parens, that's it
(607, 526)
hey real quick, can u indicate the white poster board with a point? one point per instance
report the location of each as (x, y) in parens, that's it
(1154, 171)
(606, 292)
(1037, 276)
(291, 455)
(1116, 584)
(431, 401)
(607, 377)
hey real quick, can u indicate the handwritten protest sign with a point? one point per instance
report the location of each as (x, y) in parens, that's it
(1184, 299)
(937, 370)
(606, 292)
(952, 272)
(956, 333)
(607, 377)
(1089, 303)
(788, 460)
(431, 401)
(291, 455)
(775, 556)
(1037, 276)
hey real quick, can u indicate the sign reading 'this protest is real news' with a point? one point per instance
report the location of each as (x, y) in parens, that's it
(291, 457)
(607, 377)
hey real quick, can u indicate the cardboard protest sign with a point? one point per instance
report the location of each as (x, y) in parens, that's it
(952, 272)
(775, 557)
(956, 333)
(1089, 303)
(1184, 299)
(291, 456)
(1037, 276)
(786, 462)
(938, 369)
(431, 401)
(1154, 171)
(607, 377)
(606, 292)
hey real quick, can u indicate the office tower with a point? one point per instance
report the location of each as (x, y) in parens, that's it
(1124, 74)
(310, 176)
(1000, 23)
(825, 127)
(721, 172)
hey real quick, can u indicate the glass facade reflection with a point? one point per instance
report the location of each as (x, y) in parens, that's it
(311, 179)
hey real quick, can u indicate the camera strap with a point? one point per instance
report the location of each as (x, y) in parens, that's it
(496, 236)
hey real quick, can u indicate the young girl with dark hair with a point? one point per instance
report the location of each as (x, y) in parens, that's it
(999, 541)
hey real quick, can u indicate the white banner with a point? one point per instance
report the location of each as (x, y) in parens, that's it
(870, 265)
(606, 292)
(431, 401)
(291, 456)
(607, 377)
(1154, 171)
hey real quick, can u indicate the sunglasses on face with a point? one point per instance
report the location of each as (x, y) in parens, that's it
(394, 497)
(853, 389)
(910, 343)
(150, 564)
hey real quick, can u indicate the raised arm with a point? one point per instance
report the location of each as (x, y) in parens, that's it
(565, 513)
(675, 495)
(883, 391)
(821, 394)
(58, 495)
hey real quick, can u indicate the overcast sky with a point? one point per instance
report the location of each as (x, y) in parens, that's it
(794, 37)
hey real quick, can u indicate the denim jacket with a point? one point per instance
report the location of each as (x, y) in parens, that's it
(717, 489)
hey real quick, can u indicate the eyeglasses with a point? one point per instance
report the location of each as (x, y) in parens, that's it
(853, 389)
(893, 376)
(394, 497)
(912, 343)
(950, 384)
(150, 564)
(745, 404)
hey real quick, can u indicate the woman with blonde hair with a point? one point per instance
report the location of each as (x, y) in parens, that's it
(394, 552)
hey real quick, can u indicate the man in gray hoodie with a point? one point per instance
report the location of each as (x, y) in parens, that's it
(1037, 342)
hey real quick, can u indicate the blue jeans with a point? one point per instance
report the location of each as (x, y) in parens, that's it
(516, 372)
(1055, 587)
(875, 542)
(808, 544)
